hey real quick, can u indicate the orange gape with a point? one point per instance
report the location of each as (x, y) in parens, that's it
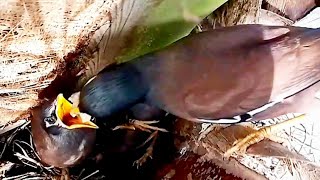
(71, 116)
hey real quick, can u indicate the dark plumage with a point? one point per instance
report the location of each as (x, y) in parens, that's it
(146, 112)
(119, 87)
(211, 75)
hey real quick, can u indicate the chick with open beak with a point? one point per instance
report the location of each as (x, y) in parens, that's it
(62, 135)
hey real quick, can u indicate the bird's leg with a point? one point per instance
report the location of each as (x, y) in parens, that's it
(149, 150)
(142, 125)
(241, 145)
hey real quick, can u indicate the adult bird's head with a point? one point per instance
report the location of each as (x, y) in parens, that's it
(62, 135)
(116, 88)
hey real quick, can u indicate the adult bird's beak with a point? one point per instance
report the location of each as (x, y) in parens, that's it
(70, 117)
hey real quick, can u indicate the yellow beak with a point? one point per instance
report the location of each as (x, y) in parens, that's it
(70, 116)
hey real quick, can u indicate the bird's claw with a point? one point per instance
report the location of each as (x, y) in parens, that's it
(148, 154)
(142, 125)
(149, 150)
(240, 146)
(124, 126)
(145, 125)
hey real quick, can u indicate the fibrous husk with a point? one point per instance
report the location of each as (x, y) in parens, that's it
(292, 9)
(45, 41)
(267, 12)
(35, 37)
(236, 12)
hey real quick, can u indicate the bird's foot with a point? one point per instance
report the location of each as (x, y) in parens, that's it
(149, 150)
(64, 174)
(240, 146)
(142, 125)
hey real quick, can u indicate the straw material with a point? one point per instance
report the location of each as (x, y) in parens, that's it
(35, 36)
(237, 12)
(41, 40)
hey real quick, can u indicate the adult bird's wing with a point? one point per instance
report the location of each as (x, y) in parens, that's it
(230, 71)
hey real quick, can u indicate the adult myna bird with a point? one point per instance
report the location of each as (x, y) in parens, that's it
(61, 139)
(211, 76)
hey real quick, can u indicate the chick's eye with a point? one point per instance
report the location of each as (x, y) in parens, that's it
(50, 120)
